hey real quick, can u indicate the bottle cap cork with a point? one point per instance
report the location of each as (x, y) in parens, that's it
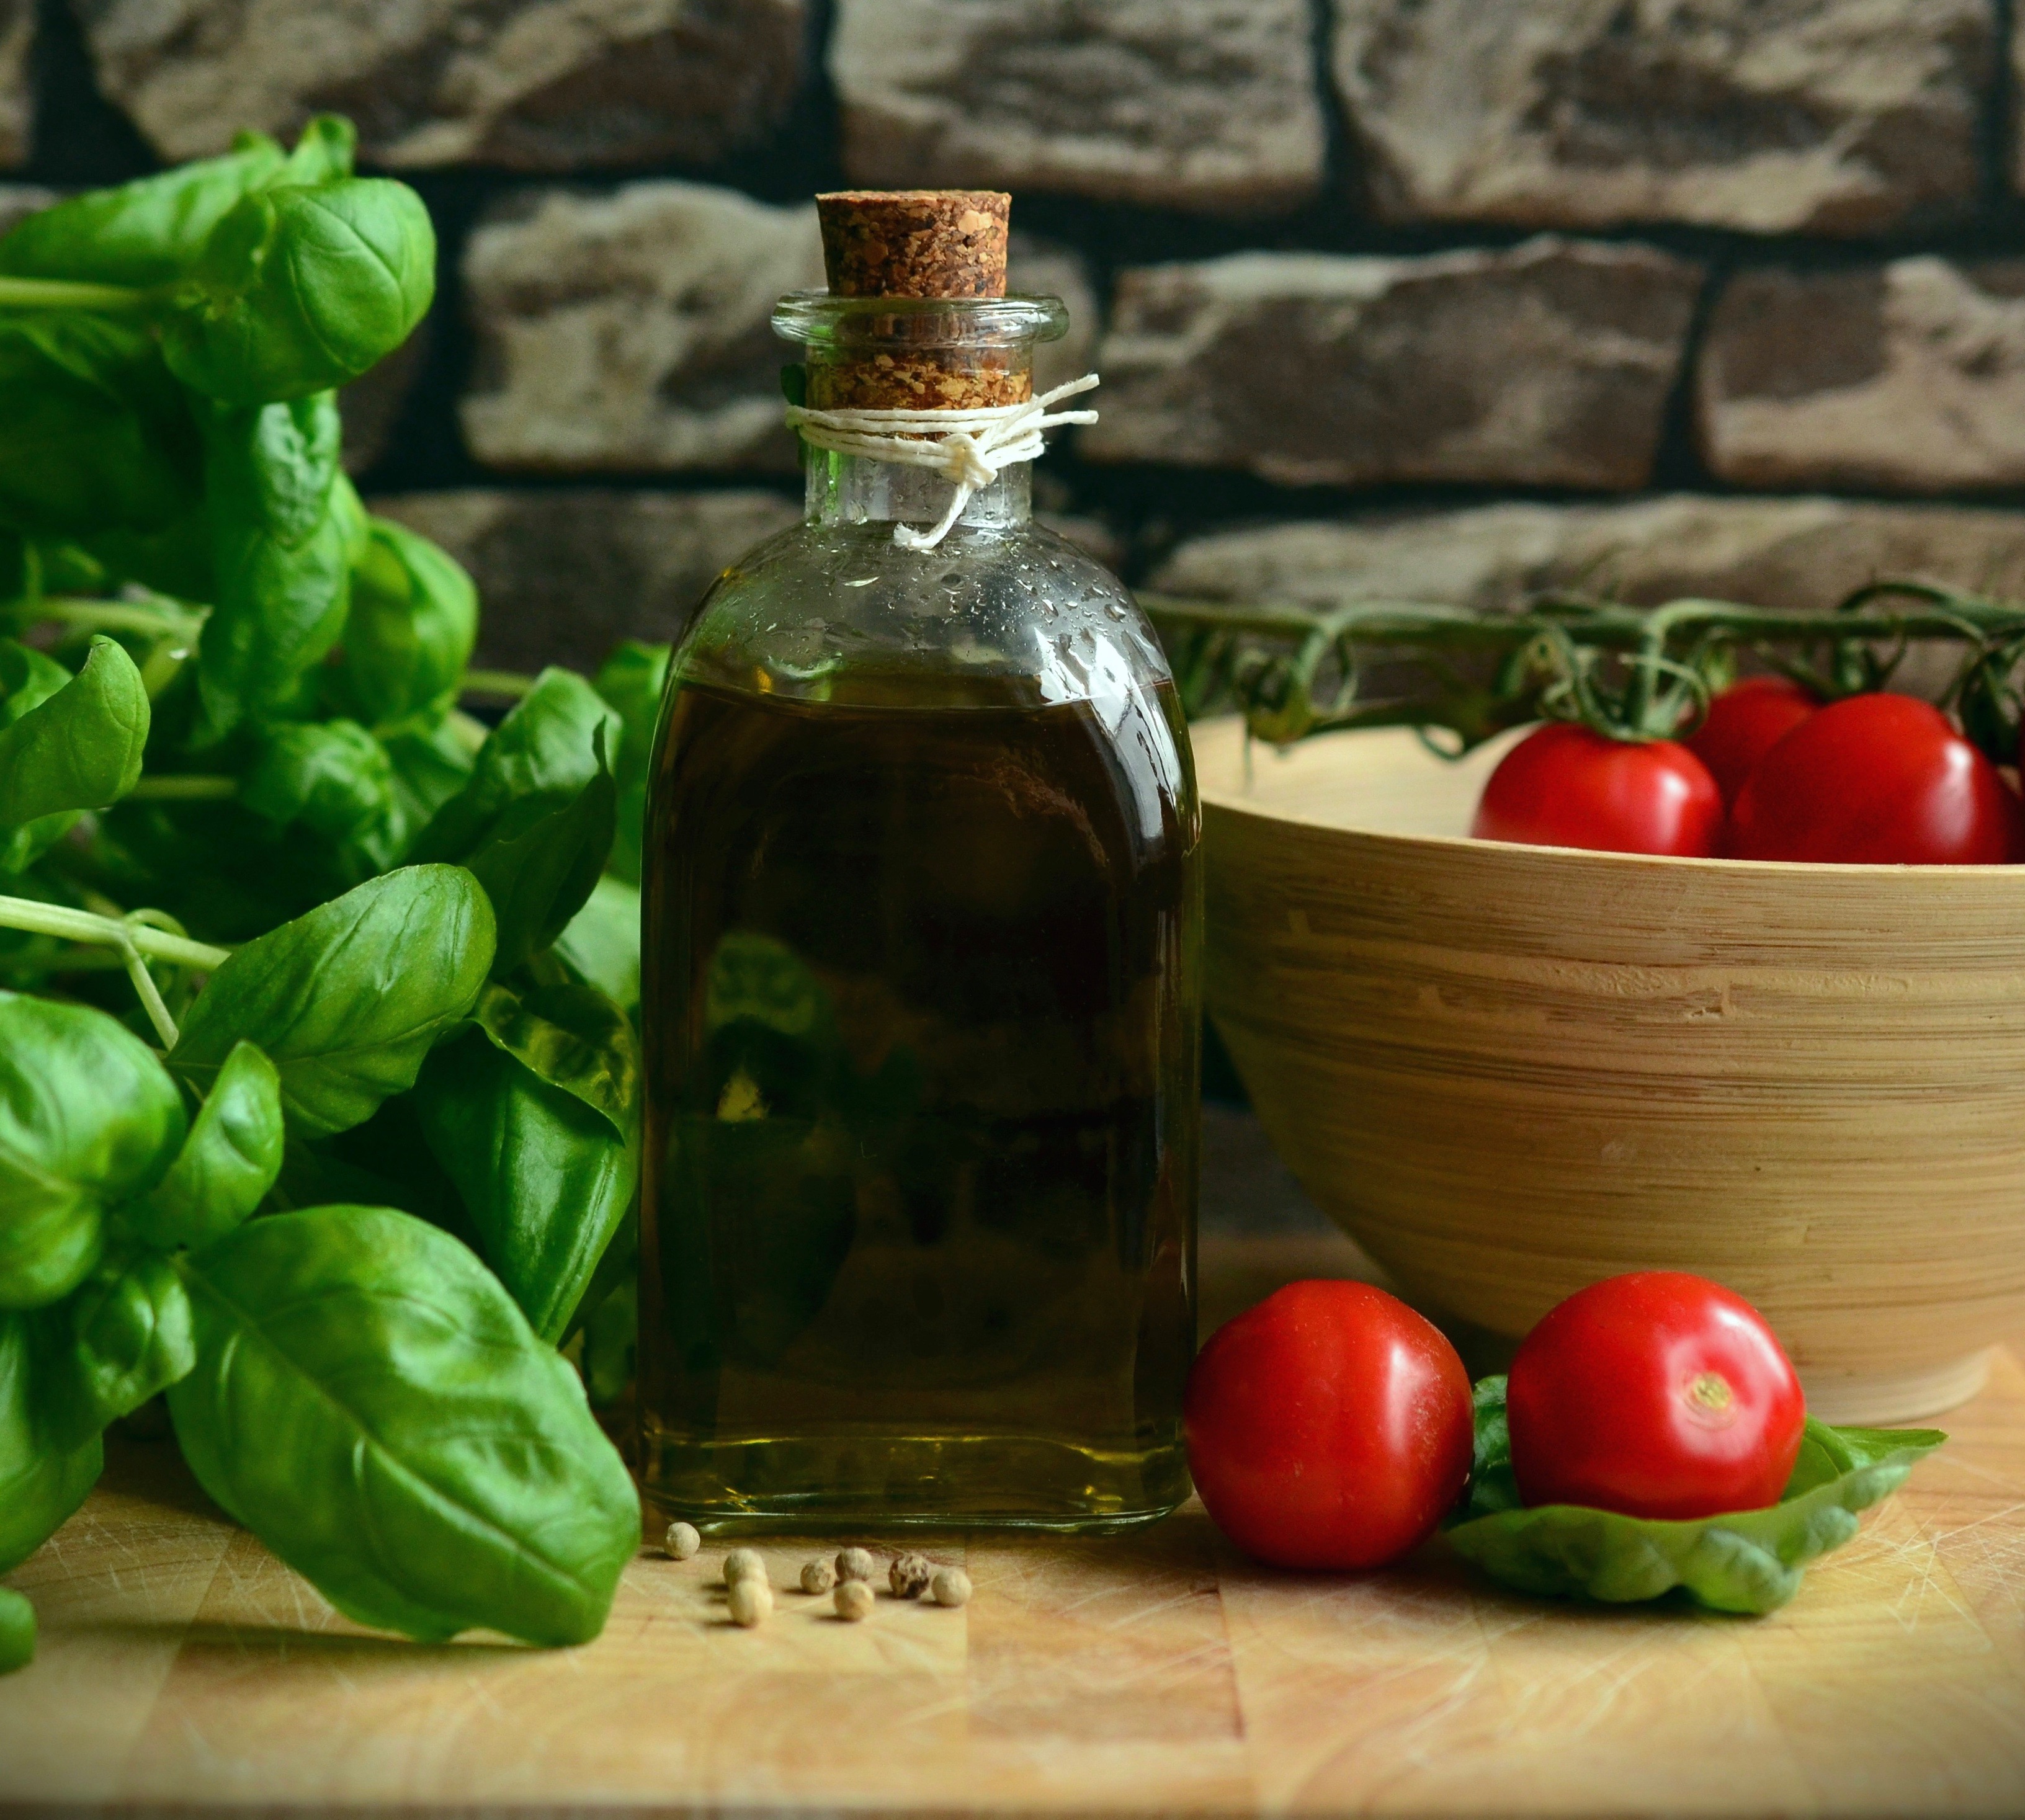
(915, 243)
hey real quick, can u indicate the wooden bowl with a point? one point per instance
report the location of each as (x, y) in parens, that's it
(1510, 1071)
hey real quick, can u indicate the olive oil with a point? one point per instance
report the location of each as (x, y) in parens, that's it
(922, 1017)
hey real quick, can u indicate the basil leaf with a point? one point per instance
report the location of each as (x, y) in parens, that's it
(544, 1180)
(429, 769)
(304, 287)
(573, 1037)
(82, 747)
(535, 823)
(17, 1631)
(227, 1163)
(275, 464)
(346, 1000)
(1744, 1561)
(602, 941)
(98, 435)
(337, 781)
(124, 1336)
(145, 232)
(281, 591)
(87, 1118)
(410, 633)
(28, 679)
(324, 152)
(632, 680)
(610, 1343)
(40, 1483)
(369, 1401)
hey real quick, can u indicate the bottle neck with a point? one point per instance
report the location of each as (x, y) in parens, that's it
(844, 489)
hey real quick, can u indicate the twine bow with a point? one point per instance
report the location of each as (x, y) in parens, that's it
(968, 449)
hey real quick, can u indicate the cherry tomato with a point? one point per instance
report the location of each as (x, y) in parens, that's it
(1881, 779)
(1563, 786)
(1329, 1426)
(1745, 722)
(1657, 1394)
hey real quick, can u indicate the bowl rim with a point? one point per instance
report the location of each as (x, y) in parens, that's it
(1220, 728)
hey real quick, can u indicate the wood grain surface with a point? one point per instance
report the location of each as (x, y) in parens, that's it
(182, 1668)
(1510, 1071)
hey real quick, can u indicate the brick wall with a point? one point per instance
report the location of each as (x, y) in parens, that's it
(1443, 297)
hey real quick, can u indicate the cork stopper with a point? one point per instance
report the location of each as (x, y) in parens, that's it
(915, 243)
(918, 245)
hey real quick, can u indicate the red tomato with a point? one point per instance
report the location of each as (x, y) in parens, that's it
(1881, 779)
(1329, 1426)
(1657, 1394)
(1745, 722)
(1563, 786)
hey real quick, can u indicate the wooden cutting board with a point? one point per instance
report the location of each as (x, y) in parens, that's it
(182, 1666)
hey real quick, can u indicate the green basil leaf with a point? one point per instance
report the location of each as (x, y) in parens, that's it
(610, 1343)
(40, 1483)
(28, 679)
(573, 1037)
(602, 941)
(82, 747)
(410, 633)
(1745, 1560)
(227, 1163)
(273, 465)
(17, 1631)
(632, 680)
(124, 1336)
(346, 1000)
(332, 776)
(430, 767)
(301, 288)
(98, 434)
(280, 600)
(324, 152)
(88, 1118)
(145, 232)
(545, 1179)
(370, 1403)
(535, 823)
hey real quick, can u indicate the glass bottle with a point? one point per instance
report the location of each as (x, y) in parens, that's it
(921, 1005)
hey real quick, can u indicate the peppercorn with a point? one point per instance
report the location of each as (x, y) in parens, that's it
(817, 1576)
(742, 1562)
(752, 1601)
(855, 1564)
(909, 1575)
(950, 1586)
(854, 1600)
(681, 1541)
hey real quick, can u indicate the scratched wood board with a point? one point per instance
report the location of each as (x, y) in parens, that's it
(182, 1666)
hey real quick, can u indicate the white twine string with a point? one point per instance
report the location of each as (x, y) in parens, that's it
(967, 448)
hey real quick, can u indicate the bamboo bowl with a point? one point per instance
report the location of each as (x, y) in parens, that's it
(1511, 1071)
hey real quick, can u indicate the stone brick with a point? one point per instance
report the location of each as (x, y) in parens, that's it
(629, 332)
(1188, 104)
(19, 200)
(1802, 553)
(17, 31)
(532, 85)
(1549, 364)
(1822, 116)
(1908, 377)
(564, 575)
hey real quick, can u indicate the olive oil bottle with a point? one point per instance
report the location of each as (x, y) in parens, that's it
(920, 977)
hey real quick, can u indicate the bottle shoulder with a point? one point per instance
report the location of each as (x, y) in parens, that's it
(816, 605)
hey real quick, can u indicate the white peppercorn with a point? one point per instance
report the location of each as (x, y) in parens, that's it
(742, 1562)
(854, 1600)
(817, 1576)
(855, 1564)
(752, 1601)
(909, 1575)
(950, 1586)
(681, 1541)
